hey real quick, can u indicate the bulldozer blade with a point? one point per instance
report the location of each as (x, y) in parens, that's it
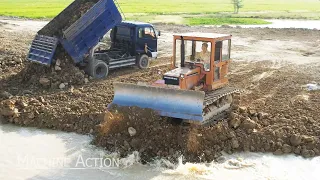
(168, 102)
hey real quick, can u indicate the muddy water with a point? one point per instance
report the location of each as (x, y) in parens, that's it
(27, 153)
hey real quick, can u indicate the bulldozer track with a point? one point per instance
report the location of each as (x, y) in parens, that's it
(212, 97)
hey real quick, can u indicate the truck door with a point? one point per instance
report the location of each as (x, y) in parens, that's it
(147, 35)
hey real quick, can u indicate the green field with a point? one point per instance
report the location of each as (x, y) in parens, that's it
(206, 11)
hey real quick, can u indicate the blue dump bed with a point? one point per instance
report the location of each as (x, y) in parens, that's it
(80, 36)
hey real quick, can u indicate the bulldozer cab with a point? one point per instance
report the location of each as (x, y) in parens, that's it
(209, 52)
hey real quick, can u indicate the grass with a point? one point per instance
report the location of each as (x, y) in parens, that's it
(213, 11)
(224, 21)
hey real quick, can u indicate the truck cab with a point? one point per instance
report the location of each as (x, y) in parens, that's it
(141, 37)
(131, 43)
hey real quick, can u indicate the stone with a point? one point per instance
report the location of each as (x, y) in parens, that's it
(135, 143)
(62, 86)
(248, 124)
(297, 150)
(132, 131)
(235, 123)
(57, 68)
(31, 115)
(242, 109)
(9, 112)
(286, 149)
(295, 140)
(252, 112)
(235, 143)
(278, 152)
(25, 92)
(45, 82)
(5, 95)
(41, 99)
(255, 118)
(22, 103)
(58, 62)
(18, 60)
(262, 115)
(126, 145)
(307, 139)
(86, 80)
(305, 153)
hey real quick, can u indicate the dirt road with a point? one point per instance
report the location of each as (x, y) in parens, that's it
(276, 114)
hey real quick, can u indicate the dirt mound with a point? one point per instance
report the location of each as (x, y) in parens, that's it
(130, 129)
(67, 17)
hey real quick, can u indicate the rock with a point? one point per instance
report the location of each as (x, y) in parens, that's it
(25, 92)
(5, 95)
(126, 145)
(235, 123)
(316, 151)
(8, 112)
(286, 149)
(252, 112)
(58, 62)
(305, 153)
(242, 109)
(18, 60)
(278, 152)
(135, 143)
(255, 118)
(132, 131)
(57, 68)
(262, 115)
(86, 80)
(295, 140)
(252, 148)
(45, 82)
(248, 124)
(91, 131)
(297, 150)
(235, 143)
(307, 139)
(62, 86)
(31, 115)
(22, 103)
(41, 99)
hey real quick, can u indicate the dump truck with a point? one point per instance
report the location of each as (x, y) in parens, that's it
(79, 30)
(196, 90)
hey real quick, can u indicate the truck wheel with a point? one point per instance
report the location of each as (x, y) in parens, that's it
(100, 70)
(143, 61)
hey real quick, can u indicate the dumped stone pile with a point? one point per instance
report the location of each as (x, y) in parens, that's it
(153, 136)
(62, 75)
(37, 112)
(67, 17)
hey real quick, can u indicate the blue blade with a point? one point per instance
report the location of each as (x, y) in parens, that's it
(176, 103)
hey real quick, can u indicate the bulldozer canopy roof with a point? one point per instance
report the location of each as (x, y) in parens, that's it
(204, 35)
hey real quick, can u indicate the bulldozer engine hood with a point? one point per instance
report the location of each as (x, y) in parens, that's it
(173, 77)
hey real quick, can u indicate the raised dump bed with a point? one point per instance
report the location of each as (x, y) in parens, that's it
(78, 28)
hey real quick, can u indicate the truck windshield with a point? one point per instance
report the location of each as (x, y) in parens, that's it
(194, 51)
(147, 32)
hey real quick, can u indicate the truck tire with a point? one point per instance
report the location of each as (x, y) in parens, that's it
(143, 61)
(100, 70)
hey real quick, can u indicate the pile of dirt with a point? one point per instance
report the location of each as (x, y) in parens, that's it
(130, 129)
(62, 75)
(67, 17)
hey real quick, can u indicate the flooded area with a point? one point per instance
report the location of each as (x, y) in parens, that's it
(21, 147)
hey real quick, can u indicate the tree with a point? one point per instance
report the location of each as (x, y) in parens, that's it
(237, 4)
